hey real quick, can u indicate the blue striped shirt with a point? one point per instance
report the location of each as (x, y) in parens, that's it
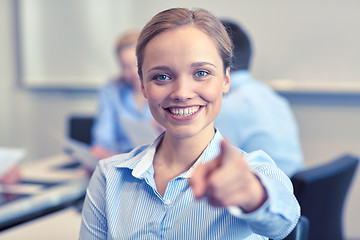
(122, 202)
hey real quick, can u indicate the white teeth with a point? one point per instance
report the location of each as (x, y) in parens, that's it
(184, 112)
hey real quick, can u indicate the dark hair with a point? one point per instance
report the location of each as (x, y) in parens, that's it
(241, 45)
(176, 17)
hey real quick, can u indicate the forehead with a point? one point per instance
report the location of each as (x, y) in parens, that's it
(182, 41)
(181, 33)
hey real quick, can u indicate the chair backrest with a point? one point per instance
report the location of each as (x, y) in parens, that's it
(301, 231)
(79, 127)
(321, 192)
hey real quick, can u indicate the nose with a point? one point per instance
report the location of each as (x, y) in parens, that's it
(183, 89)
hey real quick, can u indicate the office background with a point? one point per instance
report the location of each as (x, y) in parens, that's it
(303, 42)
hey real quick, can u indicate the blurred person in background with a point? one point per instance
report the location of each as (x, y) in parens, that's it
(120, 98)
(253, 116)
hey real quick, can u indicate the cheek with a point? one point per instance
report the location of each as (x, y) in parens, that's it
(154, 95)
(155, 98)
(212, 93)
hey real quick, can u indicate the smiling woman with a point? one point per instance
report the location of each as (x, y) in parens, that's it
(190, 183)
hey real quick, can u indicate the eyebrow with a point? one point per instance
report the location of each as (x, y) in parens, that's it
(196, 64)
(200, 64)
(163, 68)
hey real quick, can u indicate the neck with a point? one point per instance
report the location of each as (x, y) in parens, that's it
(181, 153)
(176, 155)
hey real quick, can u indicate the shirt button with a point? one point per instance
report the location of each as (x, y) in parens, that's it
(167, 202)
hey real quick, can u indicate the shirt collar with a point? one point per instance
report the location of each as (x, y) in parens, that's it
(143, 161)
(141, 158)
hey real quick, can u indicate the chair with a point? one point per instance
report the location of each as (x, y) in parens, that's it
(79, 127)
(321, 192)
(301, 231)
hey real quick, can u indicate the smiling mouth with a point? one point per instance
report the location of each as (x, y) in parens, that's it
(183, 111)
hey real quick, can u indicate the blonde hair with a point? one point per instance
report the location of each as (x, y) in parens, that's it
(126, 40)
(176, 17)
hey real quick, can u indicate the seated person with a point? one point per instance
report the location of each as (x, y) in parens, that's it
(253, 115)
(119, 99)
(189, 183)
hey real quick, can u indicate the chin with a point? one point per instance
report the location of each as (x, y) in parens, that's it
(185, 132)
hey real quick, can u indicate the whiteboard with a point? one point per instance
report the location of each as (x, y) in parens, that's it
(69, 43)
(298, 45)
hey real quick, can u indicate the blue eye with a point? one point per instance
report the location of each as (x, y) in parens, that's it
(201, 74)
(161, 77)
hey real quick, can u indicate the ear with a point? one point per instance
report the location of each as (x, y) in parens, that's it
(227, 82)
(143, 89)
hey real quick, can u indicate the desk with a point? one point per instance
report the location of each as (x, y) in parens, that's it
(48, 185)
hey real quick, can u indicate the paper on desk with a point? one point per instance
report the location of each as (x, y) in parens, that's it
(139, 133)
(9, 157)
(80, 151)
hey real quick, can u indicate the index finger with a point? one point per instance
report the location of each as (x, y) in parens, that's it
(199, 178)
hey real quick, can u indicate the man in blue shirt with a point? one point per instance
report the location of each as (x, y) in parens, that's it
(253, 116)
(120, 100)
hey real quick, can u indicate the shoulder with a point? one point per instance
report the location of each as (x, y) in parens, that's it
(112, 84)
(111, 90)
(256, 98)
(258, 157)
(106, 171)
(249, 87)
(264, 167)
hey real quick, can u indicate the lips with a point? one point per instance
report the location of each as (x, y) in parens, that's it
(183, 111)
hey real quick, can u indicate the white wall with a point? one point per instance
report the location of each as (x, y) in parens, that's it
(305, 41)
(329, 126)
(70, 43)
(302, 40)
(34, 120)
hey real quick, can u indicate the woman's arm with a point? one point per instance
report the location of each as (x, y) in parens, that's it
(253, 189)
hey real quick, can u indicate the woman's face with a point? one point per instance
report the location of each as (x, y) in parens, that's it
(128, 64)
(183, 80)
